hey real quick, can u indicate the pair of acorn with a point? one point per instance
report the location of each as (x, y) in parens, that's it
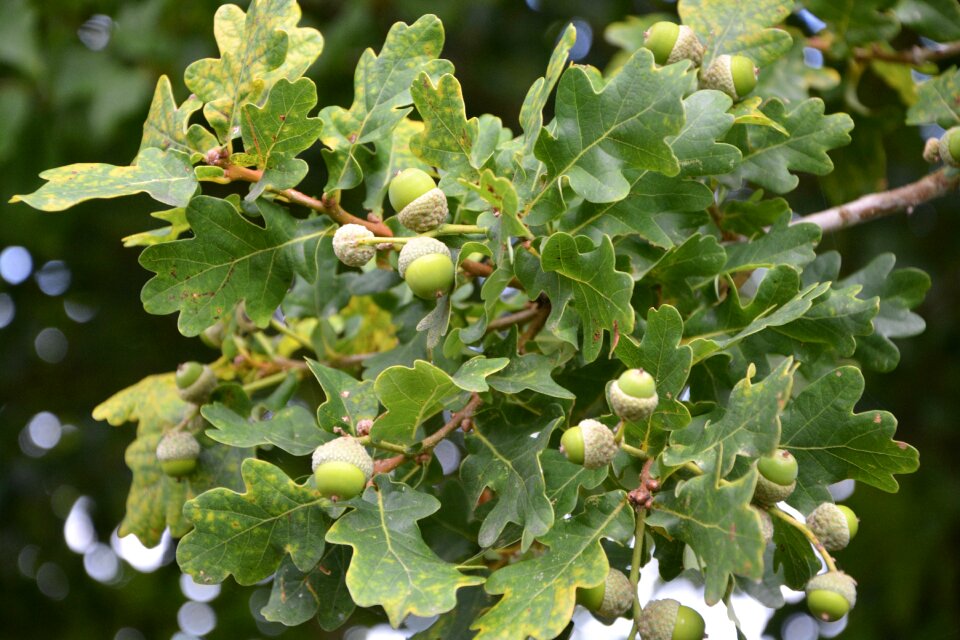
(735, 75)
(830, 596)
(425, 263)
(178, 451)
(946, 148)
(660, 620)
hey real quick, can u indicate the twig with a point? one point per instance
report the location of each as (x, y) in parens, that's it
(635, 559)
(389, 464)
(884, 203)
(327, 206)
(511, 319)
(535, 325)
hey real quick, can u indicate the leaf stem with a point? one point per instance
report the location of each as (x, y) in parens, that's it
(386, 446)
(802, 528)
(267, 381)
(457, 229)
(633, 451)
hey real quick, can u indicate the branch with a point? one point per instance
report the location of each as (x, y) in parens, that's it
(456, 420)
(511, 319)
(915, 55)
(327, 206)
(884, 203)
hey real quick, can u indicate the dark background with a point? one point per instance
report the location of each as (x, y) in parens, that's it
(62, 103)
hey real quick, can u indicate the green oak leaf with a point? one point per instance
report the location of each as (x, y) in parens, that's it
(392, 566)
(564, 480)
(504, 454)
(832, 443)
(769, 155)
(279, 131)
(229, 259)
(936, 101)
(257, 49)
(936, 19)
(380, 97)
(447, 138)
(836, 318)
(688, 265)
(168, 126)
(177, 226)
(248, 534)
(899, 291)
(348, 400)
(471, 602)
(166, 176)
(599, 131)
(716, 520)
(739, 28)
(752, 216)
(293, 429)
(855, 23)
(297, 596)
(411, 395)
(794, 553)
(539, 593)
(576, 270)
(791, 79)
(531, 112)
(778, 300)
(749, 425)
(525, 371)
(501, 195)
(696, 146)
(783, 244)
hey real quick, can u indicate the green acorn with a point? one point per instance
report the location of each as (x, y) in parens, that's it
(609, 599)
(346, 248)
(195, 382)
(426, 266)
(590, 443)
(420, 205)
(831, 595)
(777, 478)
(667, 619)
(341, 468)
(950, 147)
(736, 76)
(633, 396)
(670, 42)
(177, 453)
(834, 525)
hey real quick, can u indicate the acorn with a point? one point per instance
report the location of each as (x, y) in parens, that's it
(346, 248)
(833, 525)
(426, 266)
(177, 453)
(341, 468)
(667, 619)
(950, 147)
(633, 396)
(736, 76)
(590, 443)
(777, 478)
(670, 42)
(195, 382)
(420, 205)
(611, 598)
(831, 595)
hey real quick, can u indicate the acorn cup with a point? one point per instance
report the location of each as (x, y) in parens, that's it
(341, 468)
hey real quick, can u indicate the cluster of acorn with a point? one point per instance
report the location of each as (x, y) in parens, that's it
(734, 75)
(831, 595)
(425, 263)
(178, 451)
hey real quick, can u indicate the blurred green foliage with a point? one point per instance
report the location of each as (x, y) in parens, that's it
(61, 102)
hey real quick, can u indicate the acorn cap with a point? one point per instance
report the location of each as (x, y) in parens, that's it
(766, 524)
(344, 449)
(687, 47)
(658, 619)
(950, 147)
(931, 150)
(599, 445)
(346, 248)
(178, 445)
(835, 582)
(617, 595)
(829, 523)
(417, 248)
(426, 212)
(770, 493)
(199, 385)
(628, 407)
